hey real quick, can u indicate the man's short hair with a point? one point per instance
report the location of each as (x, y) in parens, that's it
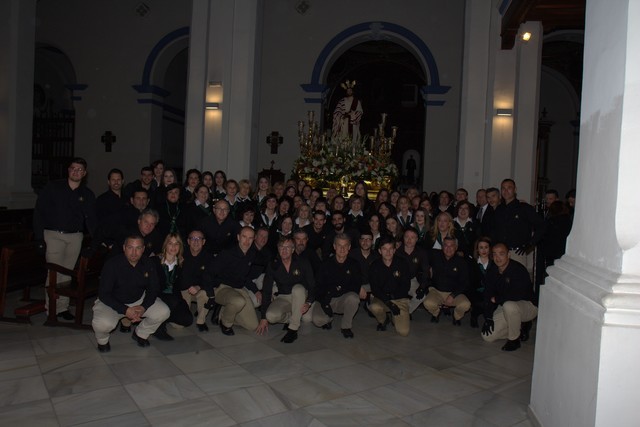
(115, 170)
(156, 163)
(133, 237)
(300, 231)
(462, 190)
(146, 169)
(508, 180)
(140, 190)
(366, 232)
(284, 239)
(410, 230)
(80, 161)
(385, 240)
(152, 212)
(450, 239)
(341, 236)
(554, 192)
(493, 190)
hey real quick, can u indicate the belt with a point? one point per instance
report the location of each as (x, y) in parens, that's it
(64, 231)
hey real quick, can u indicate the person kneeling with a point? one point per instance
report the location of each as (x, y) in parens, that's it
(508, 295)
(294, 277)
(128, 288)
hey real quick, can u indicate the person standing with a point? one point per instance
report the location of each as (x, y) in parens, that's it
(347, 114)
(64, 210)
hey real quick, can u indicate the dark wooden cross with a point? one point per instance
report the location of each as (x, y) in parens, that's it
(108, 139)
(274, 140)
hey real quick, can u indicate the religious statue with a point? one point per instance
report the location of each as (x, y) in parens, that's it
(347, 115)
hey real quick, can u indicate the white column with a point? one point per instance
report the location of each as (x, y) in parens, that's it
(223, 50)
(529, 56)
(17, 52)
(480, 48)
(588, 339)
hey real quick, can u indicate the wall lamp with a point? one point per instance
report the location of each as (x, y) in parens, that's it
(526, 36)
(215, 84)
(211, 105)
(504, 112)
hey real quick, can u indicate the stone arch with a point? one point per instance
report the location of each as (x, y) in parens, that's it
(375, 30)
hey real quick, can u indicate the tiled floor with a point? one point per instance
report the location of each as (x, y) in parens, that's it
(440, 375)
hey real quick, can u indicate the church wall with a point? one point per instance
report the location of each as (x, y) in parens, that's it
(292, 42)
(108, 44)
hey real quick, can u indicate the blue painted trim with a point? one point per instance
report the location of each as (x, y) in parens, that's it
(165, 107)
(504, 6)
(315, 85)
(155, 90)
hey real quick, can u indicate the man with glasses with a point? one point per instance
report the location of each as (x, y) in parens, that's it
(197, 277)
(293, 276)
(64, 210)
(219, 229)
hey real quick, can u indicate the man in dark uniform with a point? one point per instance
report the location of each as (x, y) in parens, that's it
(231, 282)
(338, 226)
(110, 207)
(518, 225)
(317, 231)
(197, 276)
(488, 222)
(365, 255)
(390, 283)
(294, 277)
(508, 294)
(418, 260)
(138, 202)
(129, 288)
(220, 230)
(64, 209)
(339, 288)
(449, 281)
(301, 240)
(146, 228)
(144, 183)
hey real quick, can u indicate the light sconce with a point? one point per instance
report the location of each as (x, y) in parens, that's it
(215, 84)
(211, 105)
(504, 112)
(526, 36)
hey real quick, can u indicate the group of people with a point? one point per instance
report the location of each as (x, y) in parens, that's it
(290, 254)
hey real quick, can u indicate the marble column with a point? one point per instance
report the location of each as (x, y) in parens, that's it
(586, 366)
(223, 70)
(17, 40)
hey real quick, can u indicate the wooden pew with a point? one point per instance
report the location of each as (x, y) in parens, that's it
(85, 279)
(21, 266)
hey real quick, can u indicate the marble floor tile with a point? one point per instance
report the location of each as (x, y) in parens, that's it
(138, 370)
(295, 418)
(218, 340)
(125, 350)
(163, 391)
(11, 369)
(184, 344)
(511, 363)
(479, 374)
(251, 403)
(437, 357)
(496, 409)
(222, 380)
(363, 351)
(276, 369)
(442, 386)
(400, 367)
(34, 413)
(519, 390)
(309, 389)
(445, 416)
(62, 344)
(16, 350)
(356, 378)
(94, 405)
(399, 399)
(70, 360)
(352, 411)
(192, 413)
(250, 352)
(200, 361)
(322, 360)
(80, 380)
(21, 390)
(131, 419)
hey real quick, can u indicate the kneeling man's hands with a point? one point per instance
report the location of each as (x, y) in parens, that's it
(487, 328)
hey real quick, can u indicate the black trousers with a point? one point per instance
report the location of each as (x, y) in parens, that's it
(180, 313)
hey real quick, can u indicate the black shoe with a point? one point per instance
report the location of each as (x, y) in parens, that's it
(456, 322)
(474, 322)
(215, 314)
(525, 328)
(435, 319)
(327, 326)
(347, 333)
(162, 334)
(125, 329)
(285, 326)
(203, 327)
(141, 341)
(290, 336)
(381, 327)
(66, 315)
(511, 345)
(226, 331)
(104, 348)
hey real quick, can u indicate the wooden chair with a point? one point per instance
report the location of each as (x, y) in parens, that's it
(85, 279)
(21, 266)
